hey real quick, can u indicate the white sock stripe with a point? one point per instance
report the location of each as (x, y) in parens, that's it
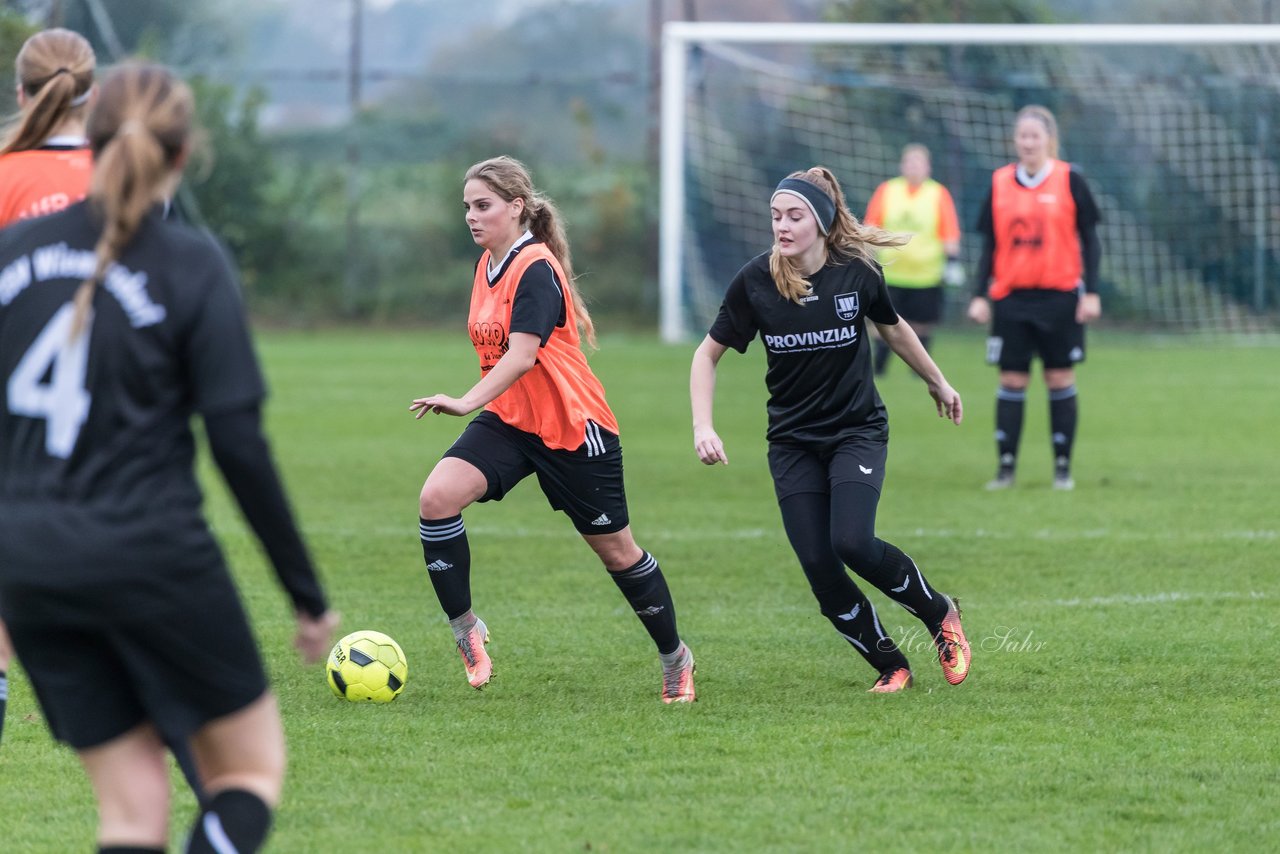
(428, 538)
(1011, 394)
(435, 533)
(923, 586)
(647, 564)
(875, 620)
(1062, 393)
(852, 641)
(4, 688)
(216, 835)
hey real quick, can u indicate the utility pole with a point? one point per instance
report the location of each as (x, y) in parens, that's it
(351, 268)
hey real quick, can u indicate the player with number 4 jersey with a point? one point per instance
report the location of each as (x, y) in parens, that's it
(118, 326)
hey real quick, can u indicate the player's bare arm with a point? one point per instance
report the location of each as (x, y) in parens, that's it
(702, 389)
(903, 340)
(515, 363)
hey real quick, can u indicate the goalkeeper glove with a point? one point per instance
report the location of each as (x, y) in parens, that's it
(953, 273)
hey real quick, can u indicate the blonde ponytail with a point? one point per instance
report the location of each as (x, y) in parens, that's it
(55, 72)
(138, 131)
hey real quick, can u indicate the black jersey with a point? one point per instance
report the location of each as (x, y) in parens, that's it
(819, 364)
(96, 448)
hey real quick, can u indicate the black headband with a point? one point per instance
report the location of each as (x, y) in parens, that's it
(822, 205)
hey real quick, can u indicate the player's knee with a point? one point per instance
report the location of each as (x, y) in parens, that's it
(858, 549)
(617, 552)
(818, 566)
(1014, 380)
(433, 503)
(1059, 378)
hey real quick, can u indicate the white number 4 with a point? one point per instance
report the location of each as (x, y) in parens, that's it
(63, 401)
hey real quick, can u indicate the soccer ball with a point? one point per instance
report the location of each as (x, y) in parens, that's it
(367, 666)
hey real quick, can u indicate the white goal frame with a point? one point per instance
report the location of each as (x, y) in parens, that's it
(679, 36)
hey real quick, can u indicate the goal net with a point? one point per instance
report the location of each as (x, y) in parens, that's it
(1174, 127)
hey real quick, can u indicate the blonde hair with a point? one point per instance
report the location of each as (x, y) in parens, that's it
(510, 179)
(55, 71)
(138, 131)
(1045, 117)
(847, 240)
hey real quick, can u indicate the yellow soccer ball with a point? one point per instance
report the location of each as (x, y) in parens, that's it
(367, 667)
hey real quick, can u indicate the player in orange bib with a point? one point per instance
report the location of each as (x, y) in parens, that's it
(1037, 286)
(544, 413)
(45, 164)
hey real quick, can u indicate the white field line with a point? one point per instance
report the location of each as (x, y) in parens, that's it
(559, 528)
(1155, 598)
(990, 609)
(553, 530)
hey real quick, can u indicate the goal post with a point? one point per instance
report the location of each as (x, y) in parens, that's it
(1172, 124)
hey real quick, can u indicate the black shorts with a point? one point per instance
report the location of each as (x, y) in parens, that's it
(1038, 322)
(585, 483)
(812, 468)
(917, 305)
(97, 677)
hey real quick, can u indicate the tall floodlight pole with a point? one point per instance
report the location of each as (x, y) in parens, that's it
(351, 266)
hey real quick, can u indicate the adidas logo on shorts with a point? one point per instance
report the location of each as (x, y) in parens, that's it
(603, 520)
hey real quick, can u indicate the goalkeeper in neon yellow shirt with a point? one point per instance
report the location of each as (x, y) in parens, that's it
(916, 204)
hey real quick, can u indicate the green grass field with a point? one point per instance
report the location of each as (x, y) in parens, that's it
(1121, 696)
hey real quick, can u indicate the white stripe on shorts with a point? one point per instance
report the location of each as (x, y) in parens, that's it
(595, 442)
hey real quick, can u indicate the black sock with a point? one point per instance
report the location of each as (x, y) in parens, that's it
(448, 556)
(4, 698)
(881, 356)
(128, 849)
(1063, 413)
(646, 590)
(233, 815)
(1010, 403)
(898, 577)
(854, 617)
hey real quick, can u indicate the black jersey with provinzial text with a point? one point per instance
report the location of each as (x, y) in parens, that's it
(819, 366)
(95, 439)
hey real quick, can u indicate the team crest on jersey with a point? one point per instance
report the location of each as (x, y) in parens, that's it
(847, 306)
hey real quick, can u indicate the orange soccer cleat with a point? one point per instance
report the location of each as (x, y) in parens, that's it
(677, 680)
(953, 648)
(474, 658)
(892, 681)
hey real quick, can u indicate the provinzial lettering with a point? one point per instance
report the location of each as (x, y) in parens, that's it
(837, 336)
